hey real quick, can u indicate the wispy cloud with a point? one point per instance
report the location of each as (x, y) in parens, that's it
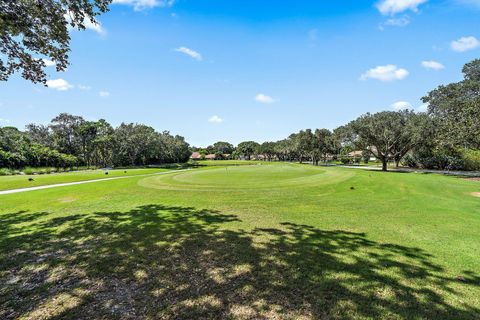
(104, 94)
(395, 22)
(389, 72)
(432, 65)
(139, 5)
(89, 25)
(391, 7)
(189, 52)
(59, 84)
(215, 119)
(464, 44)
(84, 87)
(263, 98)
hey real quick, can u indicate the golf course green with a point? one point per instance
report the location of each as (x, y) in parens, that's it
(258, 241)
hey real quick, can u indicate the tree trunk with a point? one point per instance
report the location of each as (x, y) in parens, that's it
(384, 164)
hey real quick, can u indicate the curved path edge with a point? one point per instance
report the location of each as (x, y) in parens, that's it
(66, 184)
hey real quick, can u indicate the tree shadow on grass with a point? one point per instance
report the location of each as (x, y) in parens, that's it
(167, 262)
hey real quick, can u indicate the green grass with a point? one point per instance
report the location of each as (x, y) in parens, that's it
(22, 181)
(270, 241)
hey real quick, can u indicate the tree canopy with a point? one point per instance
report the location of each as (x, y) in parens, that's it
(32, 32)
(456, 109)
(387, 135)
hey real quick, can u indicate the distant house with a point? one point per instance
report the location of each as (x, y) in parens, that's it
(196, 156)
(210, 156)
(357, 153)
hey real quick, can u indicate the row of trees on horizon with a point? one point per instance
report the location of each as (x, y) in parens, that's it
(445, 137)
(70, 140)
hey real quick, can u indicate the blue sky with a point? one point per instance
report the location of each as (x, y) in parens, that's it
(238, 70)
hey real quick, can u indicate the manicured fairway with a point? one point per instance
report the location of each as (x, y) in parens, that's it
(22, 181)
(263, 241)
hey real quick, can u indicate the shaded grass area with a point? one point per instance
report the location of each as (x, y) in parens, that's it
(298, 244)
(157, 261)
(22, 181)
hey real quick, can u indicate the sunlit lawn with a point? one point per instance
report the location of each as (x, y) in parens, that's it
(26, 181)
(278, 241)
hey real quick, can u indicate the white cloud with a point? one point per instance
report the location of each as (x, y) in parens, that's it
(97, 27)
(392, 7)
(146, 4)
(84, 87)
(432, 65)
(4, 120)
(263, 98)
(388, 72)
(59, 84)
(189, 52)
(215, 119)
(104, 94)
(401, 105)
(465, 44)
(48, 63)
(396, 22)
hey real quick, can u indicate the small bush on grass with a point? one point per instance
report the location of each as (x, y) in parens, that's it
(5, 172)
(28, 171)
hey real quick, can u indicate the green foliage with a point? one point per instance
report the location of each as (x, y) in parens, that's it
(455, 109)
(344, 159)
(34, 29)
(409, 161)
(247, 148)
(71, 141)
(389, 135)
(5, 172)
(221, 147)
(437, 158)
(471, 159)
(366, 156)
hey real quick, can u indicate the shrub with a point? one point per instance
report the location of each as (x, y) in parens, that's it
(5, 172)
(409, 161)
(28, 171)
(471, 159)
(345, 159)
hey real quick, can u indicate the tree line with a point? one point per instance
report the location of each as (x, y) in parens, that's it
(447, 136)
(71, 140)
